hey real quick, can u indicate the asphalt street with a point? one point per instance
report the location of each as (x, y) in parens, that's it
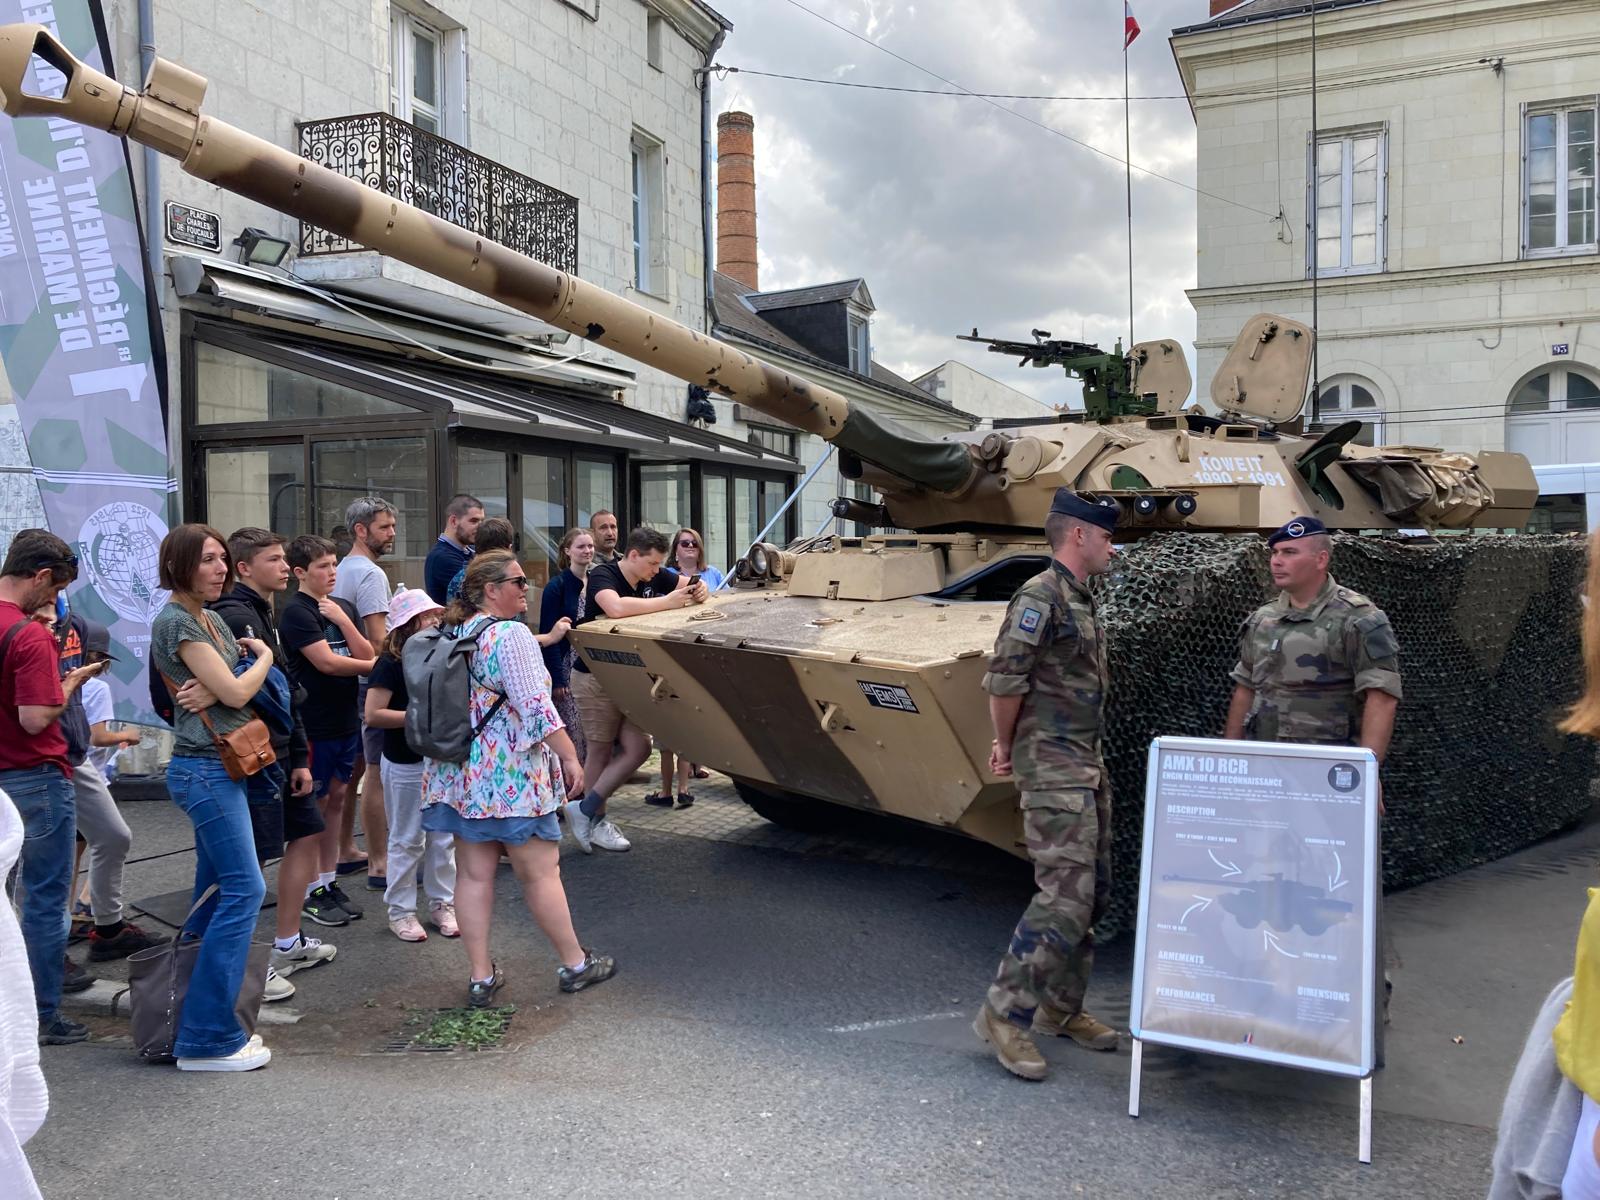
(791, 1017)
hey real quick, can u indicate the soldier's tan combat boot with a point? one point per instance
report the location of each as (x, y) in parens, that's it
(1013, 1047)
(1083, 1028)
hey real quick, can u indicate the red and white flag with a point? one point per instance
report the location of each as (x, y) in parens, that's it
(1130, 27)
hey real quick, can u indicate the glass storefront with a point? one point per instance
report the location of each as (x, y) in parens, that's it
(664, 496)
(394, 468)
(714, 505)
(276, 446)
(484, 474)
(264, 486)
(544, 513)
(596, 488)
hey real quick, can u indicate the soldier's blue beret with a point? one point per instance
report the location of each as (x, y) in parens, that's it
(1300, 527)
(1103, 513)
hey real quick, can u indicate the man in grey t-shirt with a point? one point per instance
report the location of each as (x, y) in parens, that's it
(372, 522)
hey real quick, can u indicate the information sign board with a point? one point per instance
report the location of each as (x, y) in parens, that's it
(1258, 903)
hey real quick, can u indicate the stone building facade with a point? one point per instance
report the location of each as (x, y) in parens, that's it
(1455, 205)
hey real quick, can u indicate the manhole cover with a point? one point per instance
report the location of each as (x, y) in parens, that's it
(444, 1030)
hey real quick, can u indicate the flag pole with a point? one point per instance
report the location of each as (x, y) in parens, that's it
(1127, 164)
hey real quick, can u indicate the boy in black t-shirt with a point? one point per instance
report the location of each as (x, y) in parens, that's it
(325, 651)
(634, 584)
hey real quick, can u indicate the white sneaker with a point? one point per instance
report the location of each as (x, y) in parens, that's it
(246, 1058)
(306, 952)
(581, 827)
(278, 988)
(608, 837)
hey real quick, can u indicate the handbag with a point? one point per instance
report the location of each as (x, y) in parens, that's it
(158, 981)
(244, 751)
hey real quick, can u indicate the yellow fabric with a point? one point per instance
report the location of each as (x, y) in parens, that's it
(1577, 1035)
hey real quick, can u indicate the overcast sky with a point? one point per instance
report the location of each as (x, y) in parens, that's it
(955, 213)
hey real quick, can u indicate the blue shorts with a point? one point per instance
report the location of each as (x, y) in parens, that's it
(333, 758)
(509, 831)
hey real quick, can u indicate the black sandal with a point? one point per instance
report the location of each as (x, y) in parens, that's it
(685, 799)
(659, 799)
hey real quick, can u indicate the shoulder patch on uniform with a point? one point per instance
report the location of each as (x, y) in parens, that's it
(1353, 598)
(1028, 622)
(1377, 634)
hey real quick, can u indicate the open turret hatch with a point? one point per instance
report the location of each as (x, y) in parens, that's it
(1266, 371)
(1161, 372)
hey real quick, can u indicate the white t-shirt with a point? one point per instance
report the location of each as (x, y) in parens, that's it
(97, 707)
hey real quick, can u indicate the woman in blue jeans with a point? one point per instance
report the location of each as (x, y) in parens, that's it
(197, 653)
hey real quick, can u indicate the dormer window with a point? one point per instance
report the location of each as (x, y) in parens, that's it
(860, 344)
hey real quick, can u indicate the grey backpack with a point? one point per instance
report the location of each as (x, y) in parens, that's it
(438, 670)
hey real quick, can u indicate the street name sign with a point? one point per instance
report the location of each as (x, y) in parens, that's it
(1258, 907)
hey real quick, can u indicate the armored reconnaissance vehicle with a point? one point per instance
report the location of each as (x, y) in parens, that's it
(845, 671)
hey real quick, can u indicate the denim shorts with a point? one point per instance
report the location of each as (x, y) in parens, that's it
(510, 831)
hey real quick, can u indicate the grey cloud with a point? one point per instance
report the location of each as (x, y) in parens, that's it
(955, 213)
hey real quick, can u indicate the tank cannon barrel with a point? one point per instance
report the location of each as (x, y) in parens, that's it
(167, 117)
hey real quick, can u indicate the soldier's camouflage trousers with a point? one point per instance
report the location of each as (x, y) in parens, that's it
(1052, 949)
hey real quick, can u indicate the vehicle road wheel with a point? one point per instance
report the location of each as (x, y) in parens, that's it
(800, 813)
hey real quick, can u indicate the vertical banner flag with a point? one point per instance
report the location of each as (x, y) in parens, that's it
(1130, 27)
(84, 358)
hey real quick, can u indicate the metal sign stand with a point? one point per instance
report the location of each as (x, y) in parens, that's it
(1216, 806)
(1363, 1137)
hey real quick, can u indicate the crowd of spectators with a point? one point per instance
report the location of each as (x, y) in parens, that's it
(261, 625)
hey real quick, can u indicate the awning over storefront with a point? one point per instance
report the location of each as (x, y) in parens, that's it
(508, 387)
(516, 406)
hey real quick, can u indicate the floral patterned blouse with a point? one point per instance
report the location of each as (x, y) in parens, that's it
(510, 772)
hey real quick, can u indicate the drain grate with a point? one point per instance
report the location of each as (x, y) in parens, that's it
(447, 1030)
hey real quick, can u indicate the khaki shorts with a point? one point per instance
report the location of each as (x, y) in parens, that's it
(602, 720)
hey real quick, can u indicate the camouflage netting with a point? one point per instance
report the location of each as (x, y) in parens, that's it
(1489, 647)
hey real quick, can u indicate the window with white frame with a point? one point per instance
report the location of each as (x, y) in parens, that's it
(1554, 417)
(646, 180)
(427, 78)
(1558, 210)
(1351, 398)
(860, 334)
(1347, 203)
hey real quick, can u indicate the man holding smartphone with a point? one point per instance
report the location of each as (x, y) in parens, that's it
(636, 583)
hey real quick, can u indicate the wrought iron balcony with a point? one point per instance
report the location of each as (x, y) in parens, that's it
(451, 182)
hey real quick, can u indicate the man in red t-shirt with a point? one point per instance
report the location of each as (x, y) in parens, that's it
(34, 770)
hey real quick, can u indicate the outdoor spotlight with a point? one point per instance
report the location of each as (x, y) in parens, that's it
(258, 248)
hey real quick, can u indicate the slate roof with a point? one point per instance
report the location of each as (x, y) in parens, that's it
(1266, 10)
(733, 299)
(821, 293)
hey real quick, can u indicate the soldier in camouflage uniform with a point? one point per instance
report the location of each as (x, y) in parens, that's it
(1047, 686)
(1320, 663)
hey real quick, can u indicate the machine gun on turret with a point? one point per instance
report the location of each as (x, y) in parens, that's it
(1107, 378)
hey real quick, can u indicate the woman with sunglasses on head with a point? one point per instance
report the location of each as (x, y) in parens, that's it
(197, 653)
(504, 798)
(688, 558)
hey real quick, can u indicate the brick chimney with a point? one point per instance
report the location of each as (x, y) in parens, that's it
(1218, 7)
(736, 197)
